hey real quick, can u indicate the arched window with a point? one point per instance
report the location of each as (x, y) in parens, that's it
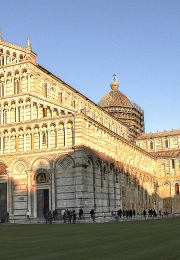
(45, 90)
(176, 188)
(73, 103)
(1, 90)
(166, 143)
(20, 56)
(151, 145)
(44, 138)
(14, 54)
(16, 87)
(2, 61)
(60, 97)
(44, 111)
(117, 177)
(5, 116)
(4, 142)
(104, 173)
(102, 177)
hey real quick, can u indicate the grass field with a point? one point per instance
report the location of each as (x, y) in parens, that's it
(149, 239)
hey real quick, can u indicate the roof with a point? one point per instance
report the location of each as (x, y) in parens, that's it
(158, 134)
(115, 98)
(167, 154)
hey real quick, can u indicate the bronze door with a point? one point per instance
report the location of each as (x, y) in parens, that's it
(42, 202)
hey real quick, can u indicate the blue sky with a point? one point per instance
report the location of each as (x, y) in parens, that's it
(84, 42)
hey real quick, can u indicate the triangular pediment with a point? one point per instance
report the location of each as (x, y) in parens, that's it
(12, 53)
(12, 46)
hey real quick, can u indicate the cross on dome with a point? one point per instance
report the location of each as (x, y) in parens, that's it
(114, 79)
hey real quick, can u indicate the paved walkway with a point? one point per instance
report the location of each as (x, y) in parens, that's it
(87, 219)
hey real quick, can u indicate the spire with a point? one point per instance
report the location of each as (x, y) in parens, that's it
(28, 43)
(0, 35)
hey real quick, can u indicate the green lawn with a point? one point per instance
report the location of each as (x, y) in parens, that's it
(149, 239)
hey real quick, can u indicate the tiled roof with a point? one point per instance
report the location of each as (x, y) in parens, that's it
(115, 98)
(175, 153)
(158, 134)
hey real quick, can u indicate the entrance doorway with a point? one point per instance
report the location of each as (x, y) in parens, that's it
(42, 202)
(3, 199)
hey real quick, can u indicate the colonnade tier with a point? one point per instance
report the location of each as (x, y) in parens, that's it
(37, 138)
(28, 110)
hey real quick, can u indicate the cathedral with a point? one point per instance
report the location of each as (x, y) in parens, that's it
(60, 150)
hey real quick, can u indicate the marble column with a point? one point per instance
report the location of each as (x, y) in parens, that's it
(28, 82)
(17, 142)
(5, 86)
(9, 141)
(35, 202)
(24, 110)
(29, 191)
(2, 116)
(12, 80)
(32, 140)
(48, 137)
(56, 137)
(9, 114)
(9, 188)
(2, 144)
(38, 108)
(24, 141)
(53, 206)
(20, 83)
(17, 114)
(31, 110)
(40, 139)
(52, 109)
(65, 136)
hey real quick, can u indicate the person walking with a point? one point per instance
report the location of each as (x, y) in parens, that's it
(28, 215)
(74, 217)
(80, 213)
(50, 217)
(69, 215)
(92, 213)
(46, 217)
(134, 213)
(64, 216)
(144, 213)
(120, 213)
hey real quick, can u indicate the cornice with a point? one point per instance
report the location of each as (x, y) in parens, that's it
(12, 45)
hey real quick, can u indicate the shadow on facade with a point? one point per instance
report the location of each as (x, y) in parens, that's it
(79, 178)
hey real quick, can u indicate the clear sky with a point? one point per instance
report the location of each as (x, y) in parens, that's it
(84, 42)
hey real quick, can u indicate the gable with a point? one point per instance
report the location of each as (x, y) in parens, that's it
(13, 54)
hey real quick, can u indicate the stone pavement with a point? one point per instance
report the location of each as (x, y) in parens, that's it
(86, 219)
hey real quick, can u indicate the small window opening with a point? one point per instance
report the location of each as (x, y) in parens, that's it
(44, 138)
(166, 143)
(60, 97)
(176, 188)
(151, 145)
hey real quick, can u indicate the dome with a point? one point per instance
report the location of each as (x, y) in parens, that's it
(115, 97)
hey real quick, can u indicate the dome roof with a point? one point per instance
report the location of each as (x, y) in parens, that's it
(115, 98)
